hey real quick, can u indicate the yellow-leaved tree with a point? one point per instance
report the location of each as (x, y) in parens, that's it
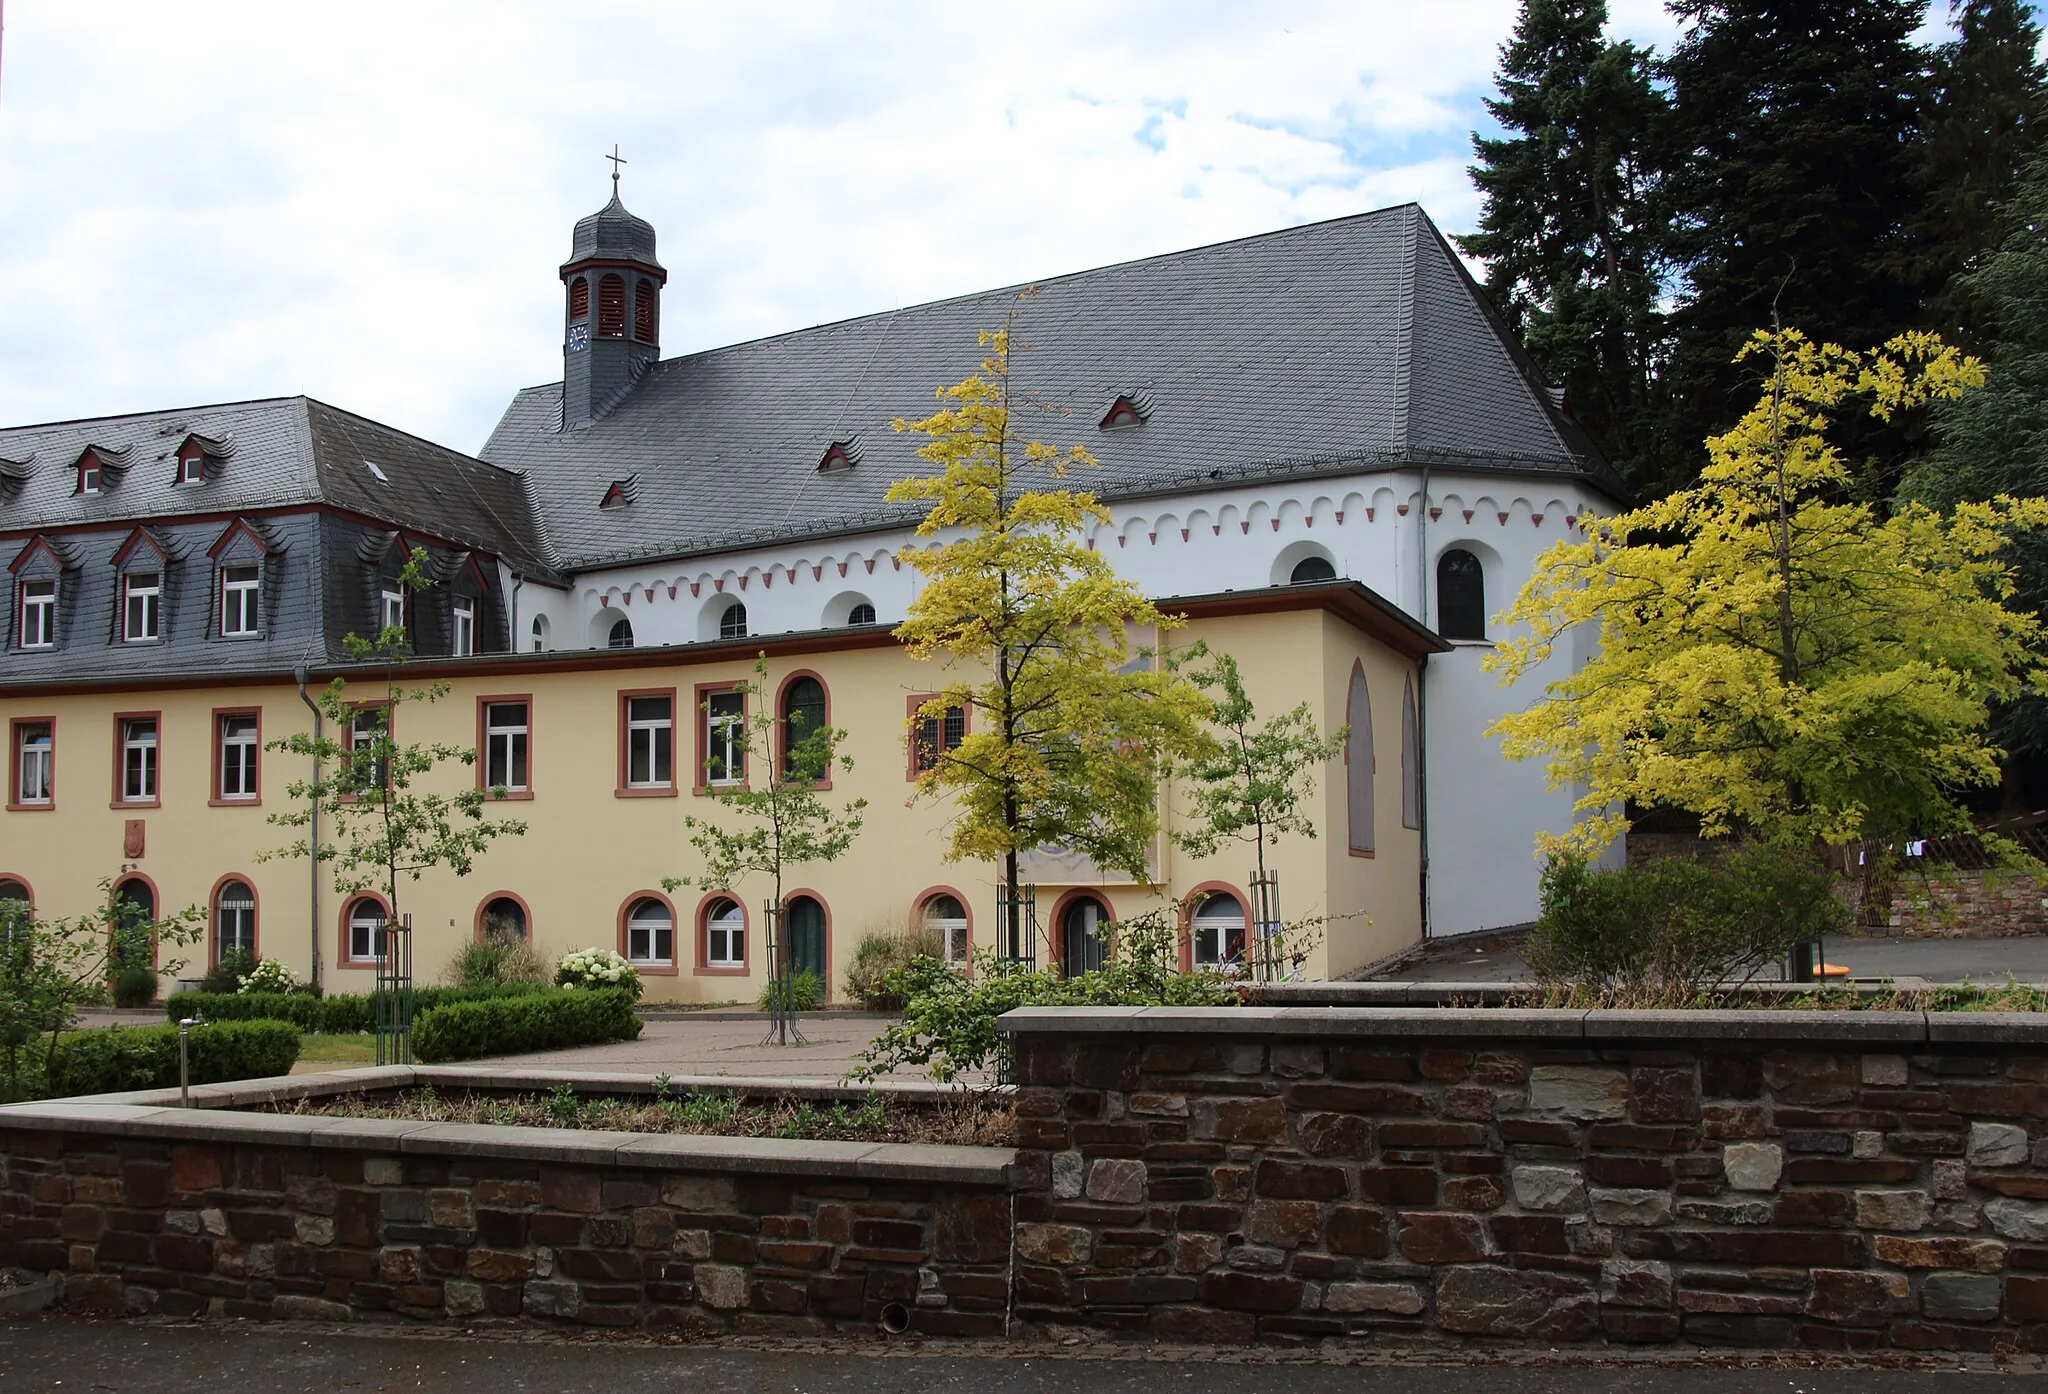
(1067, 720)
(1775, 655)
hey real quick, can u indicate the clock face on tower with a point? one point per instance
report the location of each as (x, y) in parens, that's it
(579, 338)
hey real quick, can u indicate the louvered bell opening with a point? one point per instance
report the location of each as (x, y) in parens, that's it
(611, 307)
(579, 300)
(643, 312)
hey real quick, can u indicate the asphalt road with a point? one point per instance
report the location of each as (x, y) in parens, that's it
(78, 1357)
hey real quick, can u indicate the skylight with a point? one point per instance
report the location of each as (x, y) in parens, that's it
(377, 472)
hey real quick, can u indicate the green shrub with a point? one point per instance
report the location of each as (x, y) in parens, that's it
(227, 974)
(477, 964)
(135, 986)
(119, 1058)
(799, 992)
(1675, 927)
(338, 1015)
(881, 953)
(547, 1020)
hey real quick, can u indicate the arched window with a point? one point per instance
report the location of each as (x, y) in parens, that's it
(1358, 763)
(725, 934)
(1411, 758)
(234, 919)
(803, 715)
(366, 919)
(643, 311)
(733, 623)
(945, 918)
(17, 912)
(11, 889)
(621, 636)
(1218, 931)
(804, 923)
(1460, 595)
(862, 613)
(579, 300)
(503, 921)
(1312, 569)
(540, 633)
(1084, 935)
(650, 934)
(134, 922)
(611, 307)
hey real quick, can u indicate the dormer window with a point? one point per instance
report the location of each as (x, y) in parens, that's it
(621, 492)
(840, 455)
(391, 607)
(89, 475)
(241, 589)
(192, 469)
(1129, 409)
(464, 643)
(141, 607)
(37, 624)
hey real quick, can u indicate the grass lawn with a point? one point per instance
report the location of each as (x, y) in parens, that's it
(356, 1047)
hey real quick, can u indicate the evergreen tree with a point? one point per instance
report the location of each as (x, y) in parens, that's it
(1982, 128)
(1573, 256)
(1789, 174)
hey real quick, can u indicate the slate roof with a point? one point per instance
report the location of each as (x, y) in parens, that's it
(1330, 348)
(286, 451)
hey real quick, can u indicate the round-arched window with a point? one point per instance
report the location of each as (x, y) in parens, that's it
(862, 613)
(1312, 569)
(365, 929)
(504, 921)
(733, 623)
(803, 715)
(1460, 595)
(621, 636)
(1218, 931)
(1084, 936)
(650, 934)
(946, 918)
(725, 934)
(234, 919)
(540, 633)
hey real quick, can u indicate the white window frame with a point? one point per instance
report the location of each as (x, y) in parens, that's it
(516, 738)
(239, 769)
(725, 738)
(191, 469)
(652, 926)
(139, 755)
(366, 918)
(645, 730)
(88, 479)
(357, 736)
(142, 599)
(35, 754)
(725, 936)
(243, 908)
(465, 626)
(390, 608)
(1209, 930)
(40, 606)
(954, 940)
(540, 633)
(727, 629)
(241, 600)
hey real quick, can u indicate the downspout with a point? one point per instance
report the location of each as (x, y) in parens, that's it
(512, 629)
(313, 832)
(1422, 702)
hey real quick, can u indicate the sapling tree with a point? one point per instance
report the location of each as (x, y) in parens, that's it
(371, 789)
(778, 817)
(1067, 721)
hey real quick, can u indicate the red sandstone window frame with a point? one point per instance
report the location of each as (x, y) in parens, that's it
(15, 803)
(217, 795)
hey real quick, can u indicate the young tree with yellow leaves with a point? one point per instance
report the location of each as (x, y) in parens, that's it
(1775, 656)
(1067, 724)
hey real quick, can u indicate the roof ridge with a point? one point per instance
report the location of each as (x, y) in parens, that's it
(285, 400)
(1404, 339)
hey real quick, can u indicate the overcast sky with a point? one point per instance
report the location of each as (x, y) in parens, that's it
(368, 202)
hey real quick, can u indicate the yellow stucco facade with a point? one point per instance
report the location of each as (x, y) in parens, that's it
(594, 848)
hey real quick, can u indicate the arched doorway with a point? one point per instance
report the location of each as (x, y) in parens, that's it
(1084, 935)
(503, 921)
(805, 925)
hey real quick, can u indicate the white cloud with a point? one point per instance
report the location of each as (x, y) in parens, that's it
(211, 201)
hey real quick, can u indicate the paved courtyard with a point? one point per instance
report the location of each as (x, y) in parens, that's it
(723, 1043)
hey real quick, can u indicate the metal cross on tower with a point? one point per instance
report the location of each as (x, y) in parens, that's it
(617, 159)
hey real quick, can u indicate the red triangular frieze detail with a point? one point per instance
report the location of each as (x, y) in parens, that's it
(719, 584)
(1183, 534)
(1503, 517)
(869, 563)
(1435, 513)
(1402, 509)
(1368, 515)
(842, 568)
(1468, 515)
(1340, 517)
(818, 572)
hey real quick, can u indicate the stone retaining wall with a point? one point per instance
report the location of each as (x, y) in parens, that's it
(1966, 905)
(1549, 1176)
(186, 1213)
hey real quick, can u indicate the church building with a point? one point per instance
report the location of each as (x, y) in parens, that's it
(1319, 445)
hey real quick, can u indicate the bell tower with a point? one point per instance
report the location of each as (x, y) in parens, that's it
(611, 325)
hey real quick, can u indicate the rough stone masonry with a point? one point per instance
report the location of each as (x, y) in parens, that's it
(1291, 1174)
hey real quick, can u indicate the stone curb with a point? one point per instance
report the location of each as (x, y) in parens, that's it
(1366, 1023)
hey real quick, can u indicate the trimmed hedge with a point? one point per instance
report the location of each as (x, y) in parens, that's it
(336, 1015)
(570, 1016)
(120, 1058)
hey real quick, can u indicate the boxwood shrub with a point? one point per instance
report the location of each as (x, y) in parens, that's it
(119, 1058)
(336, 1015)
(464, 1030)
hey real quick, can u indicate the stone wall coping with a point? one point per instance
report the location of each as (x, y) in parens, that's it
(1477, 994)
(881, 1161)
(1464, 1023)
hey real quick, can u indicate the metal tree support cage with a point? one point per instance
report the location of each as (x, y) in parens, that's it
(782, 1025)
(1268, 948)
(391, 999)
(1017, 926)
